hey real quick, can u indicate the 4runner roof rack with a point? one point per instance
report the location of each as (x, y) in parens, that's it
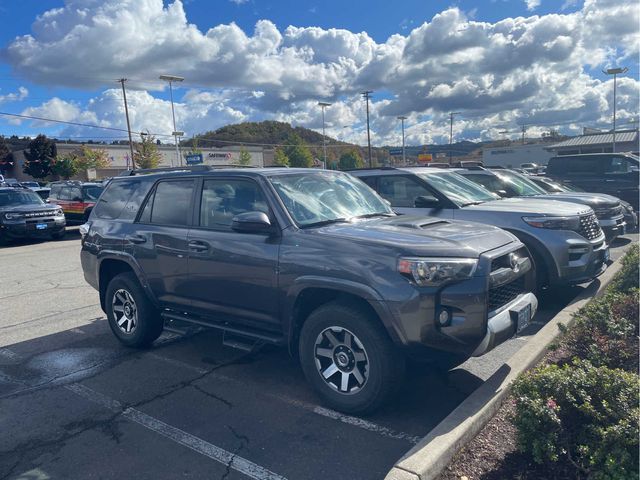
(187, 168)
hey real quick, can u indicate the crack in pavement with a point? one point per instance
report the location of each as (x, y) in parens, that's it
(244, 441)
(211, 395)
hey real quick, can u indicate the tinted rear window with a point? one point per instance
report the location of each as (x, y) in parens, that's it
(172, 202)
(118, 195)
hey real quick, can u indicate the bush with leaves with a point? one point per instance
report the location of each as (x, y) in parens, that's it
(627, 278)
(605, 332)
(581, 414)
(40, 157)
(65, 166)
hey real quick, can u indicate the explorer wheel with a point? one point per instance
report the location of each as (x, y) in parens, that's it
(132, 317)
(348, 358)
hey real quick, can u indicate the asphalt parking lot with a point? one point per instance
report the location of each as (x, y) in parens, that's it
(74, 403)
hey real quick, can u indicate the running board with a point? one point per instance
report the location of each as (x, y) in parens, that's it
(240, 335)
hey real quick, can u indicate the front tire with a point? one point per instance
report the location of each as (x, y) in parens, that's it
(348, 358)
(132, 317)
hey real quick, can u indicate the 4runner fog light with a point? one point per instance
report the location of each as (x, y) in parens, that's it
(444, 318)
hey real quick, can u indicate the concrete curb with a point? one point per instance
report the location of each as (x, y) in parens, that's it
(433, 453)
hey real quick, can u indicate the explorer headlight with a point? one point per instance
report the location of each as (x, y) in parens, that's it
(433, 272)
(555, 223)
(12, 216)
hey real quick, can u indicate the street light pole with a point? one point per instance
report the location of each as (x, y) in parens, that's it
(366, 95)
(451, 114)
(176, 134)
(126, 113)
(404, 158)
(615, 72)
(323, 105)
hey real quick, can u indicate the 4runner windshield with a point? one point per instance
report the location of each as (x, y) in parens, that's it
(327, 197)
(458, 189)
(522, 185)
(19, 197)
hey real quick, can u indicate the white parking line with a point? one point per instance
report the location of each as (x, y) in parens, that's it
(325, 412)
(181, 437)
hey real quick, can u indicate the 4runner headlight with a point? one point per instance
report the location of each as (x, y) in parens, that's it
(12, 216)
(555, 223)
(433, 272)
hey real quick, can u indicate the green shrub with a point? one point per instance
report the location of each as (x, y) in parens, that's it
(605, 332)
(628, 277)
(580, 414)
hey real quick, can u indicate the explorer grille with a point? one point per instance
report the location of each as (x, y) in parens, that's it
(500, 296)
(589, 227)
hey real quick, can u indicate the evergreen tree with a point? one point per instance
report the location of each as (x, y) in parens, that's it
(297, 152)
(40, 157)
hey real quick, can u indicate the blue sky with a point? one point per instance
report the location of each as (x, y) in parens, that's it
(502, 63)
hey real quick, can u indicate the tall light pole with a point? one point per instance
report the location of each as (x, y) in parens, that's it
(126, 113)
(404, 158)
(451, 114)
(176, 134)
(323, 105)
(615, 72)
(366, 95)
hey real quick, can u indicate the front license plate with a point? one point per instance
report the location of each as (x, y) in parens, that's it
(524, 317)
(607, 255)
(41, 226)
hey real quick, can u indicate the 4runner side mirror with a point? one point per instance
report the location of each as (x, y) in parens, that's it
(426, 201)
(251, 222)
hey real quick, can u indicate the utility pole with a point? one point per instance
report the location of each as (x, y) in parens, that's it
(323, 105)
(366, 95)
(176, 134)
(126, 112)
(404, 158)
(451, 114)
(524, 131)
(615, 72)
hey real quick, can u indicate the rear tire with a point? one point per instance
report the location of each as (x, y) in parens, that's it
(132, 317)
(349, 359)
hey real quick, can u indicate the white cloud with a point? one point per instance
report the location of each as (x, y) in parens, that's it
(526, 67)
(239, 2)
(532, 4)
(18, 96)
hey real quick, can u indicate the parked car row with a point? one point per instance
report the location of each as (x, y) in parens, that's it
(353, 280)
(24, 213)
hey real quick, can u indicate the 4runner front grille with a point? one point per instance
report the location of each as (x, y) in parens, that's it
(499, 296)
(608, 212)
(589, 227)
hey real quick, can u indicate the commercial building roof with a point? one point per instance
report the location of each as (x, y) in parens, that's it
(598, 139)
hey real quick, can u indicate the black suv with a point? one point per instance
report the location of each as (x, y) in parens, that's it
(616, 174)
(23, 214)
(309, 259)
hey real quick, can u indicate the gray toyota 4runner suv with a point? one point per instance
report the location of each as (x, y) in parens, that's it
(312, 260)
(565, 240)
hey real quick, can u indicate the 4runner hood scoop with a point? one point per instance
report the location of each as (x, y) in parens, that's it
(419, 235)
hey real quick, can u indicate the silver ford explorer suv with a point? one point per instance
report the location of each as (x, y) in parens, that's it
(566, 242)
(507, 183)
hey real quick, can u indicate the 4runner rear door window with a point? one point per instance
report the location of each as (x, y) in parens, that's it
(224, 199)
(170, 203)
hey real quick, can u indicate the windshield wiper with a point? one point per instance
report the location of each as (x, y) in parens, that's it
(377, 214)
(326, 222)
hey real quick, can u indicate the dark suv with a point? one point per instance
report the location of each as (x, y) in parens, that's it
(309, 259)
(75, 198)
(616, 174)
(23, 214)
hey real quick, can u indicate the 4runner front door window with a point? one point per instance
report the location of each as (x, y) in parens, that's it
(224, 199)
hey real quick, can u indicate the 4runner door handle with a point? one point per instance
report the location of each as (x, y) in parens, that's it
(136, 239)
(198, 246)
